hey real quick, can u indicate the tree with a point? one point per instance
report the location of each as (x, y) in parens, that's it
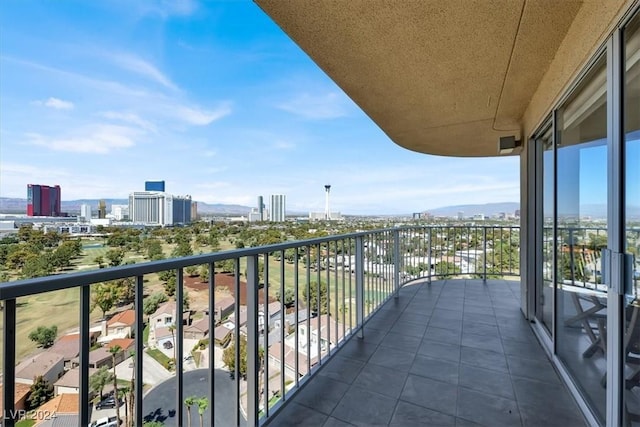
(44, 336)
(203, 404)
(289, 296)
(114, 350)
(151, 303)
(186, 301)
(313, 297)
(225, 266)
(229, 357)
(204, 273)
(99, 260)
(100, 379)
(183, 249)
(105, 296)
(189, 402)
(191, 270)
(115, 257)
(172, 329)
(153, 247)
(40, 392)
(132, 387)
(170, 287)
(152, 424)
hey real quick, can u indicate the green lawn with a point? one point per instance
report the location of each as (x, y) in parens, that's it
(160, 357)
(25, 423)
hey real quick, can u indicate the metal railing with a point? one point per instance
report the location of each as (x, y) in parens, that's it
(302, 301)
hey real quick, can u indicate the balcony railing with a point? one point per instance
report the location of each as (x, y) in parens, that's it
(326, 288)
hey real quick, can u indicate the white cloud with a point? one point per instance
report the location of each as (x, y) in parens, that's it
(139, 66)
(200, 117)
(131, 118)
(55, 103)
(331, 105)
(95, 139)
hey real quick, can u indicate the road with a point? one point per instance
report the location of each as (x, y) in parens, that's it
(160, 403)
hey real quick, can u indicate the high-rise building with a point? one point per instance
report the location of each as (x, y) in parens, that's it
(43, 200)
(120, 212)
(158, 208)
(85, 212)
(278, 207)
(262, 216)
(194, 211)
(154, 186)
(102, 209)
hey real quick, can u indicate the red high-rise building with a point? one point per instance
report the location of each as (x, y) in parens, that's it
(43, 200)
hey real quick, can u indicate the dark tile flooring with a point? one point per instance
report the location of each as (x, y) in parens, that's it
(449, 353)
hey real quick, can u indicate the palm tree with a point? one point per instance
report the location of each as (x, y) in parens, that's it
(190, 401)
(172, 329)
(203, 404)
(132, 386)
(114, 350)
(98, 380)
(123, 395)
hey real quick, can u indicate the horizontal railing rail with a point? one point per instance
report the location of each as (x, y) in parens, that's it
(294, 305)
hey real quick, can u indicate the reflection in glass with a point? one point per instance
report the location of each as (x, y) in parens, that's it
(581, 186)
(631, 352)
(545, 286)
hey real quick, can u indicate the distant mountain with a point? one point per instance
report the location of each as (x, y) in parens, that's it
(19, 206)
(488, 209)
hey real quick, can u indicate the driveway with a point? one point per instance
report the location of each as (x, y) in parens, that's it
(152, 371)
(160, 403)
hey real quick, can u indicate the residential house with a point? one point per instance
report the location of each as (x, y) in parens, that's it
(21, 394)
(119, 326)
(222, 334)
(69, 383)
(272, 312)
(69, 346)
(322, 332)
(223, 308)
(61, 411)
(197, 330)
(161, 322)
(48, 364)
(101, 357)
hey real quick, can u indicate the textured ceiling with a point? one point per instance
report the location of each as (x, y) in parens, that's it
(442, 77)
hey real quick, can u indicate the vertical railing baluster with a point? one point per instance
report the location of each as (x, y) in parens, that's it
(396, 262)
(253, 392)
(212, 348)
(296, 292)
(429, 245)
(328, 303)
(265, 334)
(139, 346)
(9, 365)
(308, 320)
(360, 285)
(318, 311)
(335, 283)
(85, 309)
(179, 345)
(236, 336)
(351, 273)
(484, 252)
(283, 312)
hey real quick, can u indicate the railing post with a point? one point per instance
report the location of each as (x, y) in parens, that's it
(9, 368)
(360, 285)
(139, 298)
(85, 309)
(252, 341)
(397, 263)
(572, 259)
(484, 253)
(429, 244)
(179, 346)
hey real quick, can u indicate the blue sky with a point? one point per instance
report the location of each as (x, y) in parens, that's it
(212, 97)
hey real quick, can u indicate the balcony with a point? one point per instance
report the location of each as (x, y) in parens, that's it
(375, 329)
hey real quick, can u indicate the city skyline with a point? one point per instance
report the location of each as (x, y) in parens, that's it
(214, 99)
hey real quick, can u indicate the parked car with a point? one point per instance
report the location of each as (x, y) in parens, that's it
(105, 422)
(108, 402)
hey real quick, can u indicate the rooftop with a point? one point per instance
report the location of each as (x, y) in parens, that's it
(126, 317)
(39, 364)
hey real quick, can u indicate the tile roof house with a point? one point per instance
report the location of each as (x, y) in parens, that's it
(21, 394)
(69, 383)
(48, 364)
(161, 320)
(101, 357)
(119, 326)
(61, 411)
(198, 329)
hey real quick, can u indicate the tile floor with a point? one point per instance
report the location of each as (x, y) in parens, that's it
(449, 353)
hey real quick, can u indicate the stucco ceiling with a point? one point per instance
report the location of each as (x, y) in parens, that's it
(444, 77)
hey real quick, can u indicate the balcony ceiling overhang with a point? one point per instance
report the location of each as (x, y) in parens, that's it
(446, 77)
